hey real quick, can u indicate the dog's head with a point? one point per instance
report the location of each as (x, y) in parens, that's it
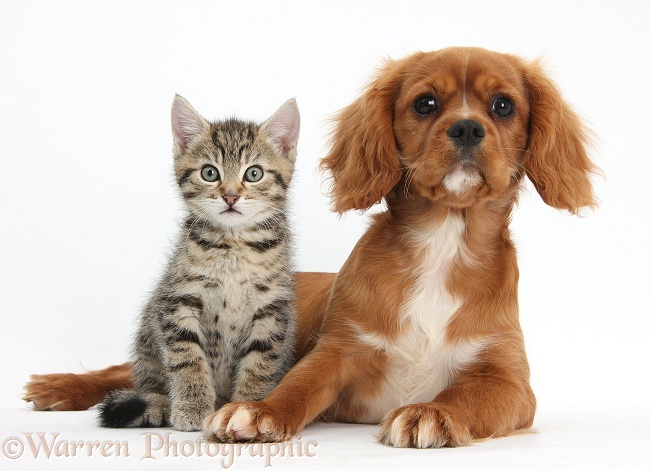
(458, 126)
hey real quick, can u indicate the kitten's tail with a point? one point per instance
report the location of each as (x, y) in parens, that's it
(128, 408)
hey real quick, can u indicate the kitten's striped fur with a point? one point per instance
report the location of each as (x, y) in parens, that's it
(220, 325)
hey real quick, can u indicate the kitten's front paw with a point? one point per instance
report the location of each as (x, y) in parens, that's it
(189, 416)
(246, 421)
(423, 426)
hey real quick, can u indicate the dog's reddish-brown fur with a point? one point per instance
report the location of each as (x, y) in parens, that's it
(349, 326)
(68, 391)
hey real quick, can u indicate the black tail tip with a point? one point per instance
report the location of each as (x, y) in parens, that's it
(121, 408)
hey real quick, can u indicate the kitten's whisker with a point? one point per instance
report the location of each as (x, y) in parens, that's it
(279, 216)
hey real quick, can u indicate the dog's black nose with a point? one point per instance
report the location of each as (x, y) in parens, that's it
(466, 133)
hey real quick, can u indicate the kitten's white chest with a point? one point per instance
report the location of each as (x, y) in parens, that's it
(226, 316)
(233, 294)
(421, 362)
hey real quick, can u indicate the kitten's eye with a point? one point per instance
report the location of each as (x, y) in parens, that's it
(209, 173)
(502, 107)
(425, 105)
(253, 174)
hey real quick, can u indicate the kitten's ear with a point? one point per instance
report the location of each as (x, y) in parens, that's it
(187, 124)
(283, 127)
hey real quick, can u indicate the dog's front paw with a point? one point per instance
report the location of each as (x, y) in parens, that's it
(423, 426)
(246, 421)
(189, 416)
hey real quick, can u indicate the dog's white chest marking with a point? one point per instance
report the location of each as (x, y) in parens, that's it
(421, 362)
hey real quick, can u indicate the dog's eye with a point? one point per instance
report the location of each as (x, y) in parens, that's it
(425, 105)
(502, 107)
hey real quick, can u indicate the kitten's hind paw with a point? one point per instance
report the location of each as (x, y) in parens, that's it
(131, 409)
(120, 409)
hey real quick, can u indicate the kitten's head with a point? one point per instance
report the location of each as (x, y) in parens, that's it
(231, 173)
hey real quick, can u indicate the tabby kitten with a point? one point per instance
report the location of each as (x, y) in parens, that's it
(220, 325)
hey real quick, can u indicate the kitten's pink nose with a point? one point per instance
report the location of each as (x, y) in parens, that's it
(230, 199)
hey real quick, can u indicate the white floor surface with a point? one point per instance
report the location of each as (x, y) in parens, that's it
(561, 440)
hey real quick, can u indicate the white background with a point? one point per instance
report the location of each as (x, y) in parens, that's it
(88, 206)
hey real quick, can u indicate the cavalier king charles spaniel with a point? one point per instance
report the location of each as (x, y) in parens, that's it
(419, 331)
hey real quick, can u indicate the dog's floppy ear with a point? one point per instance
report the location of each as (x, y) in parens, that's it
(556, 161)
(363, 160)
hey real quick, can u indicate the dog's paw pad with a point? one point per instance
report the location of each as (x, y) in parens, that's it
(245, 421)
(423, 426)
